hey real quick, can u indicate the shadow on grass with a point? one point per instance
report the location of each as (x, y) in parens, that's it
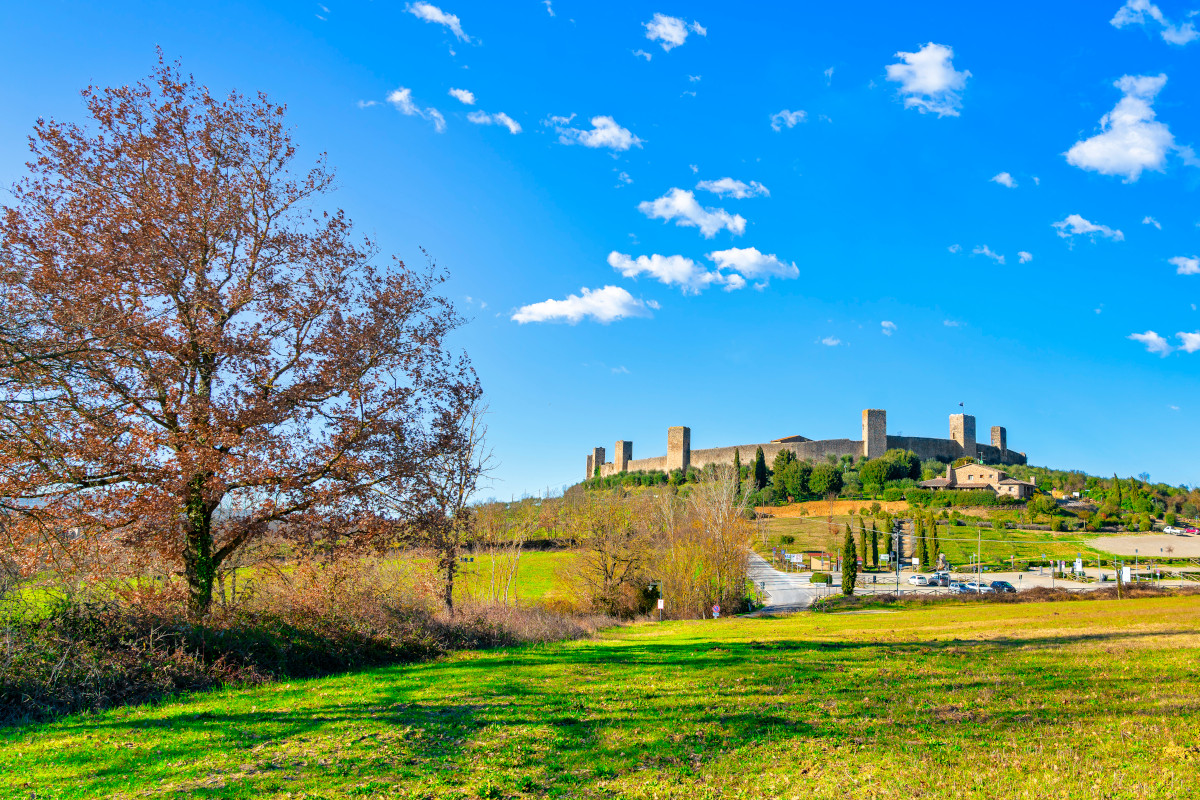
(543, 720)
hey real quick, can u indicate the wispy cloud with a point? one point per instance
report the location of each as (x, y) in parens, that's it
(641, 54)
(831, 341)
(671, 32)
(499, 118)
(670, 270)
(607, 304)
(431, 13)
(1137, 12)
(549, 8)
(1185, 265)
(1004, 179)
(887, 327)
(829, 76)
(604, 133)
(929, 81)
(463, 96)
(955, 248)
(787, 119)
(1154, 343)
(1024, 256)
(1075, 225)
(402, 100)
(730, 187)
(680, 205)
(751, 263)
(949, 323)
(984, 250)
(1148, 220)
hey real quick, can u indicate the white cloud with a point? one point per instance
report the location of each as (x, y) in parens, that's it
(753, 264)
(367, 103)
(787, 119)
(605, 132)
(694, 168)
(463, 96)
(499, 118)
(1024, 256)
(1191, 341)
(1154, 343)
(888, 327)
(729, 187)
(949, 323)
(955, 248)
(1135, 12)
(680, 205)
(984, 250)
(549, 8)
(671, 32)
(1151, 221)
(829, 76)
(694, 78)
(1004, 179)
(623, 178)
(431, 13)
(402, 99)
(621, 370)
(1130, 140)
(671, 270)
(831, 341)
(687, 94)
(602, 305)
(1184, 265)
(929, 81)
(1075, 225)
(641, 54)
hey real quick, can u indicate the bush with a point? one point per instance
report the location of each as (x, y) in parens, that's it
(893, 495)
(821, 577)
(1057, 524)
(1169, 518)
(787, 539)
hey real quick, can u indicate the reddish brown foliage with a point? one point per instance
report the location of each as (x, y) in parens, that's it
(194, 354)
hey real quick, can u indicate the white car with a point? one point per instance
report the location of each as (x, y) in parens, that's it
(918, 580)
(1171, 529)
(979, 588)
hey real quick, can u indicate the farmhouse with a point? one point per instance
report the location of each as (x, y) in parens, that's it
(978, 476)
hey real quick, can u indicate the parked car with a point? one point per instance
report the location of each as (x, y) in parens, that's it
(957, 587)
(940, 579)
(979, 588)
(1003, 587)
(1191, 530)
(918, 580)
(1172, 529)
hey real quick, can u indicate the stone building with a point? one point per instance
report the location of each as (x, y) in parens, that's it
(980, 476)
(875, 442)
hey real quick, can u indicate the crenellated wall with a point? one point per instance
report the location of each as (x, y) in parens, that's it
(680, 455)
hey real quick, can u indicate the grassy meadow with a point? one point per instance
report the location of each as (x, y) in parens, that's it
(1072, 699)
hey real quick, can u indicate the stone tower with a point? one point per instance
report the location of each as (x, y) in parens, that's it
(1000, 438)
(622, 455)
(962, 430)
(874, 432)
(596, 459)
(679, 448)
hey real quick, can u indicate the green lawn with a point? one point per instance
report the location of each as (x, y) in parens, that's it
(1080, 699)
(537, 574)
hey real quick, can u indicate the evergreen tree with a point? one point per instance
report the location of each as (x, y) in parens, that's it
(862, 539)
(760, 470)
(849, 564)
(924, 552)
(737, 472)
(936, 546)
(874, 545)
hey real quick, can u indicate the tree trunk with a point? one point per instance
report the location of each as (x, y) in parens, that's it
(199, 567)
(449, 566)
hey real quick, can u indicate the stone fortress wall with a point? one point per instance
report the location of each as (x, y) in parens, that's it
(874, 443)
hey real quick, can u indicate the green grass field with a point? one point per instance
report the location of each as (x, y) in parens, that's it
(1074, 699)
(537, 574)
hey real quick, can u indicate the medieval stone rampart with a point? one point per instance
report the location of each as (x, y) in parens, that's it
(680, 454)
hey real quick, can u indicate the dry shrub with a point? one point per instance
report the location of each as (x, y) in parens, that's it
(87, 652)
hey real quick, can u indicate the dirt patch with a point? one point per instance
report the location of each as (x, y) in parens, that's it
(1151, 545)
(820, 508)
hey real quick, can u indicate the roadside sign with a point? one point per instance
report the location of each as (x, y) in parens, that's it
(1126, 574)
(885, 557)
(916, 562)
(716, 612)
(1079, 565)
(660, 604)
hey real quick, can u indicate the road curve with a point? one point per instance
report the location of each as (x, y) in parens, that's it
(784, 591)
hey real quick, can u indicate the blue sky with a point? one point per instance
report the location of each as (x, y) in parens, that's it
(880, 161)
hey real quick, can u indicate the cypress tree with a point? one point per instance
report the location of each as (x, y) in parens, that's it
(849, 564)
(924, 554)
(760, 470)
(936, 546)
(737, 473)
(874, 545)
(862, 539)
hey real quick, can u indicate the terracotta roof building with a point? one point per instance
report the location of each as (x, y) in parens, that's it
(980, 477)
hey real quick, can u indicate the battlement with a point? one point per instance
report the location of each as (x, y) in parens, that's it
(874, 443)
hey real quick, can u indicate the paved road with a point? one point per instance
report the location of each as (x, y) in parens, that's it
(784, 591)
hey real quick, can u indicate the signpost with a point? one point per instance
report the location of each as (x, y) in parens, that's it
(660, 609)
